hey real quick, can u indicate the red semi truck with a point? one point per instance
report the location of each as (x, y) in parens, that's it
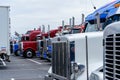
(28, 44)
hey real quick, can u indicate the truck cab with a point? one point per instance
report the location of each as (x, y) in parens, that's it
(28, 44)
(67, 62)
(112, 21)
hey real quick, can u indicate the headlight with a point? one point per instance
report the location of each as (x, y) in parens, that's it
(94, 77)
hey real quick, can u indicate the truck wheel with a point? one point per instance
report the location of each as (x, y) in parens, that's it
(29, 53)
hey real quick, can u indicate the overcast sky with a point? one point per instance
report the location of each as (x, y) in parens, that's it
(29, 14)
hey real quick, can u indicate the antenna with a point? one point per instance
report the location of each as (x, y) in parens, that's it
(73, 21)
(93, 4)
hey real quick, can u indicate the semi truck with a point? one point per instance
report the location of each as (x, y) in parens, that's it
(110, 25)
(109, 68)
(69, 56)
(4, 34)
(28, 44)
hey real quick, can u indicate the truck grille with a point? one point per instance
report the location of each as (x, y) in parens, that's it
(112, 57)
(60, 63)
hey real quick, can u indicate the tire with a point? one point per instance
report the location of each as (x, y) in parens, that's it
(29, 53)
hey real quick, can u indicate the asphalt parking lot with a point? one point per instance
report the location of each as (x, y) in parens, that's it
(24, 69)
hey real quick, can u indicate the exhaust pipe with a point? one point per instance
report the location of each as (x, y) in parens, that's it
(48, 31)
(83, 17)
(63, 25)
(70, 22)
(43, 28)
(43, 31)
(73, 21)
(98, 21)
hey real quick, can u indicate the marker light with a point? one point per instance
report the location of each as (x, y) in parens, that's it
(117, 5)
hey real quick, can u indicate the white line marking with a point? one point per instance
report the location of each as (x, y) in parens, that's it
(12, 79)
(34, 61)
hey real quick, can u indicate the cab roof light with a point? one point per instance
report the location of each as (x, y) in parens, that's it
(117, 5)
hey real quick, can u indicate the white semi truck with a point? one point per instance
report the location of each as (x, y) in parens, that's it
(75, 56)
(4, 34)
(110, 65)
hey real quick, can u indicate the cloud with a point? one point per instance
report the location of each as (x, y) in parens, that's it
(27, 14)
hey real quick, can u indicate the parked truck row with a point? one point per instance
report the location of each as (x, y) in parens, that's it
(38, 42)
(92, 53)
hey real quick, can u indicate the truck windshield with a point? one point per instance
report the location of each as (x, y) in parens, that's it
(75, 31)
(25, 38)
(111, 19)
(91, 27)
(39, 38)
(28, 32)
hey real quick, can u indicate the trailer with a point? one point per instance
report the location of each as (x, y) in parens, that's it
(4, 34)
